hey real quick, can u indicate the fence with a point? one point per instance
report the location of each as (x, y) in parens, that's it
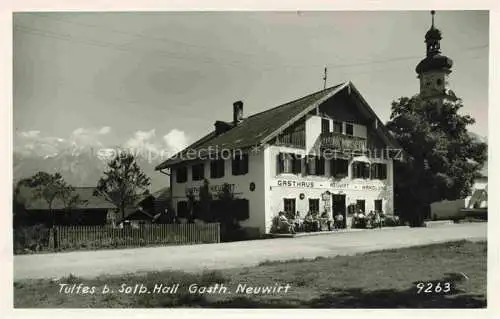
(95, 237)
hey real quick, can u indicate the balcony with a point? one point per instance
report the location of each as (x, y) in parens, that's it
(292, 139)
(341, 142)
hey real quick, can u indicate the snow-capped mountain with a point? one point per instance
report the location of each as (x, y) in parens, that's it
(79, 166)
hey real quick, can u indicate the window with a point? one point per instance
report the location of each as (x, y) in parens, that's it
(289, 163)
(198, 172)
(314, 205)
(379, 171)
(325, 125)
(337, 127)
(360, 205)
(349, 129)
(360, 170)
(217, 168)
(181, 175)
(289, 206)
(240, 164)
(439, 82)
(316, 166)
(182, 209)
(378, 205)
(320, 166)
(339, 168)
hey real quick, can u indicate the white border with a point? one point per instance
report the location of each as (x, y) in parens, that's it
(6, 256)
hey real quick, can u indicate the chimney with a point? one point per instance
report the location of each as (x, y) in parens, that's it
(237, 112)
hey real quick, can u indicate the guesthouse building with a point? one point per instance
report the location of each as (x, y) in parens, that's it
(325, 152)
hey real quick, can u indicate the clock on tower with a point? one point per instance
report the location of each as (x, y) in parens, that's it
(434, 69)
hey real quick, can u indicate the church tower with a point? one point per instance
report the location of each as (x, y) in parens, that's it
(434, 69)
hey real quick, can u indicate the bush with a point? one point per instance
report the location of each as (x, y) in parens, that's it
(359, 222)
(391, 221)
(232, 232)
(31, 238)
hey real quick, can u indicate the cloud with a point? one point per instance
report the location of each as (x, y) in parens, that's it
(35, 143)
(143, 141)
(176, 140)
(82, 137)
(32, 142)
(105, 130)
(147, 145)
(29, 134)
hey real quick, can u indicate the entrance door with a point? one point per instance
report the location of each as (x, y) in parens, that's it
(338, 205)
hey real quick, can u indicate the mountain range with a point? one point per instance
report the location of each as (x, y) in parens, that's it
(79, 167)
(82, 166)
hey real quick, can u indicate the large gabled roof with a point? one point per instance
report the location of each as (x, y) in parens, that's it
(261, 127)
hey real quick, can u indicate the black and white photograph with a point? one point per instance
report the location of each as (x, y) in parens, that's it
(310, 159)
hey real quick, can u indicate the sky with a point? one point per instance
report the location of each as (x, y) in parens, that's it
(160, 80)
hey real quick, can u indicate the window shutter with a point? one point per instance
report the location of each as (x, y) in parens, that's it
(382, 174)
(320, 166)
(212, 169)
(280, 163)
(297, 165)
(245, 164)
(235, 166)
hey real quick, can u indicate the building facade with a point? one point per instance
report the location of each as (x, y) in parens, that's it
(327, 151)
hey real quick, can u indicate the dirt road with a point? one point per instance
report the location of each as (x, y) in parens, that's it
(227, 255)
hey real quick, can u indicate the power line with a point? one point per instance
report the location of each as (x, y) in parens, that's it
(142, 35)
(65, 37)
(139, 35)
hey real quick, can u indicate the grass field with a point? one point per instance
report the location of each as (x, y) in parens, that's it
(383, 279)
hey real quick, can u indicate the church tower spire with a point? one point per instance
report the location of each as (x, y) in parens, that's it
(434, 69)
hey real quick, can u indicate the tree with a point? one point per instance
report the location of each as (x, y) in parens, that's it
(123, 182)
(70, 200)
(20, 214)
(191, 201)
(441, 158)
(205, 202)
(50, 187)
(226, 217)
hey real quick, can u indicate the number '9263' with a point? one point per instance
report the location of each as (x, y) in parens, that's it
(434, 287)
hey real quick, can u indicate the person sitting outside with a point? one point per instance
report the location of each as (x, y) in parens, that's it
(355, 219)
(298, 222)
(326, 218)
(361, 219)
(339, 221)
(378, 219)
(316, 223)
(382, 219)
(310, 222)
(370, 219)
(284, 225)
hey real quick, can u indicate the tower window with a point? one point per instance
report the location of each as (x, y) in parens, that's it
(439, 82)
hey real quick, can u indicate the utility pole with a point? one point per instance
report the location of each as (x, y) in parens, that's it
(324, 78)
